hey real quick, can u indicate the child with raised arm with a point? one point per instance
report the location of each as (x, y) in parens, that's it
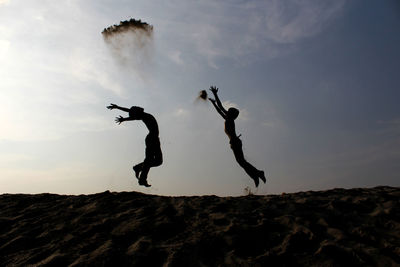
(236, 144)
(153, 154)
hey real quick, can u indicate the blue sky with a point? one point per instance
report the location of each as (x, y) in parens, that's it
(316, 82)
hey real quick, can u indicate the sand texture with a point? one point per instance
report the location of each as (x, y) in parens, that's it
(353, 227)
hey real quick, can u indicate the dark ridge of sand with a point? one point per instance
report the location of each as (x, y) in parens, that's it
(355, 227)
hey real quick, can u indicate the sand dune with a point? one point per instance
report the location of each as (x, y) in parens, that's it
(356, 227)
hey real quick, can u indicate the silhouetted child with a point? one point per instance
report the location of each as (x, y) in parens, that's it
(235, 142)
(153, 154)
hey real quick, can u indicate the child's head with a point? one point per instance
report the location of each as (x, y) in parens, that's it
(136, 112)
(232, 113)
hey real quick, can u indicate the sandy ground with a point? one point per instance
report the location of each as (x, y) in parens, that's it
(355, 227)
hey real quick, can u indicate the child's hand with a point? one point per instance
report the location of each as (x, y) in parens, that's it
(211, 99)
(214, 89)
(119, 119)
(112, 106)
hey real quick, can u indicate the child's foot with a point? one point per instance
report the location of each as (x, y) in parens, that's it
(137, 171)
(256, 180)
(262, 176)
(144, 182)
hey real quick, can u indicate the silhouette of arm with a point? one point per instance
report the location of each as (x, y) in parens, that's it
(214, 90)
(217, 108)
(113, 106)
(121, 119)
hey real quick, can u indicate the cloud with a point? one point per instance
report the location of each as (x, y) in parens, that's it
(8, 159)
(272, 124)
(243, 115)
(55, 78)
(24, 122)
(250, 30)
(291, 21)
(89, 69)
(389, 127)
(176, 57)
(205, 38)
(4, 46)
(181, 113)
(392, 122)
(4, 2)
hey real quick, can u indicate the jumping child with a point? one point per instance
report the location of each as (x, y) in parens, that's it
(236, 144)
(153, 154)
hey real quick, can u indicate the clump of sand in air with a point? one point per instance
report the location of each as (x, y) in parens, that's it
(131, 45)
(202, 95)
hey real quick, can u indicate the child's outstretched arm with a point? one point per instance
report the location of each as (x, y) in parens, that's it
(122, 119)
(217, 108)
(113, 106)
(214, 90)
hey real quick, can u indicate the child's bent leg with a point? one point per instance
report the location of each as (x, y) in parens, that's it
(137, 169)
(144, 173)
(158, 158)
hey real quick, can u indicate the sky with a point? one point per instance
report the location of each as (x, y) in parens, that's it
(317, 84)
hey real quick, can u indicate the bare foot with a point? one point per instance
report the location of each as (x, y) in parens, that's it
(262, 176)
(256, 181)
(137, 171)
(144, 182)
